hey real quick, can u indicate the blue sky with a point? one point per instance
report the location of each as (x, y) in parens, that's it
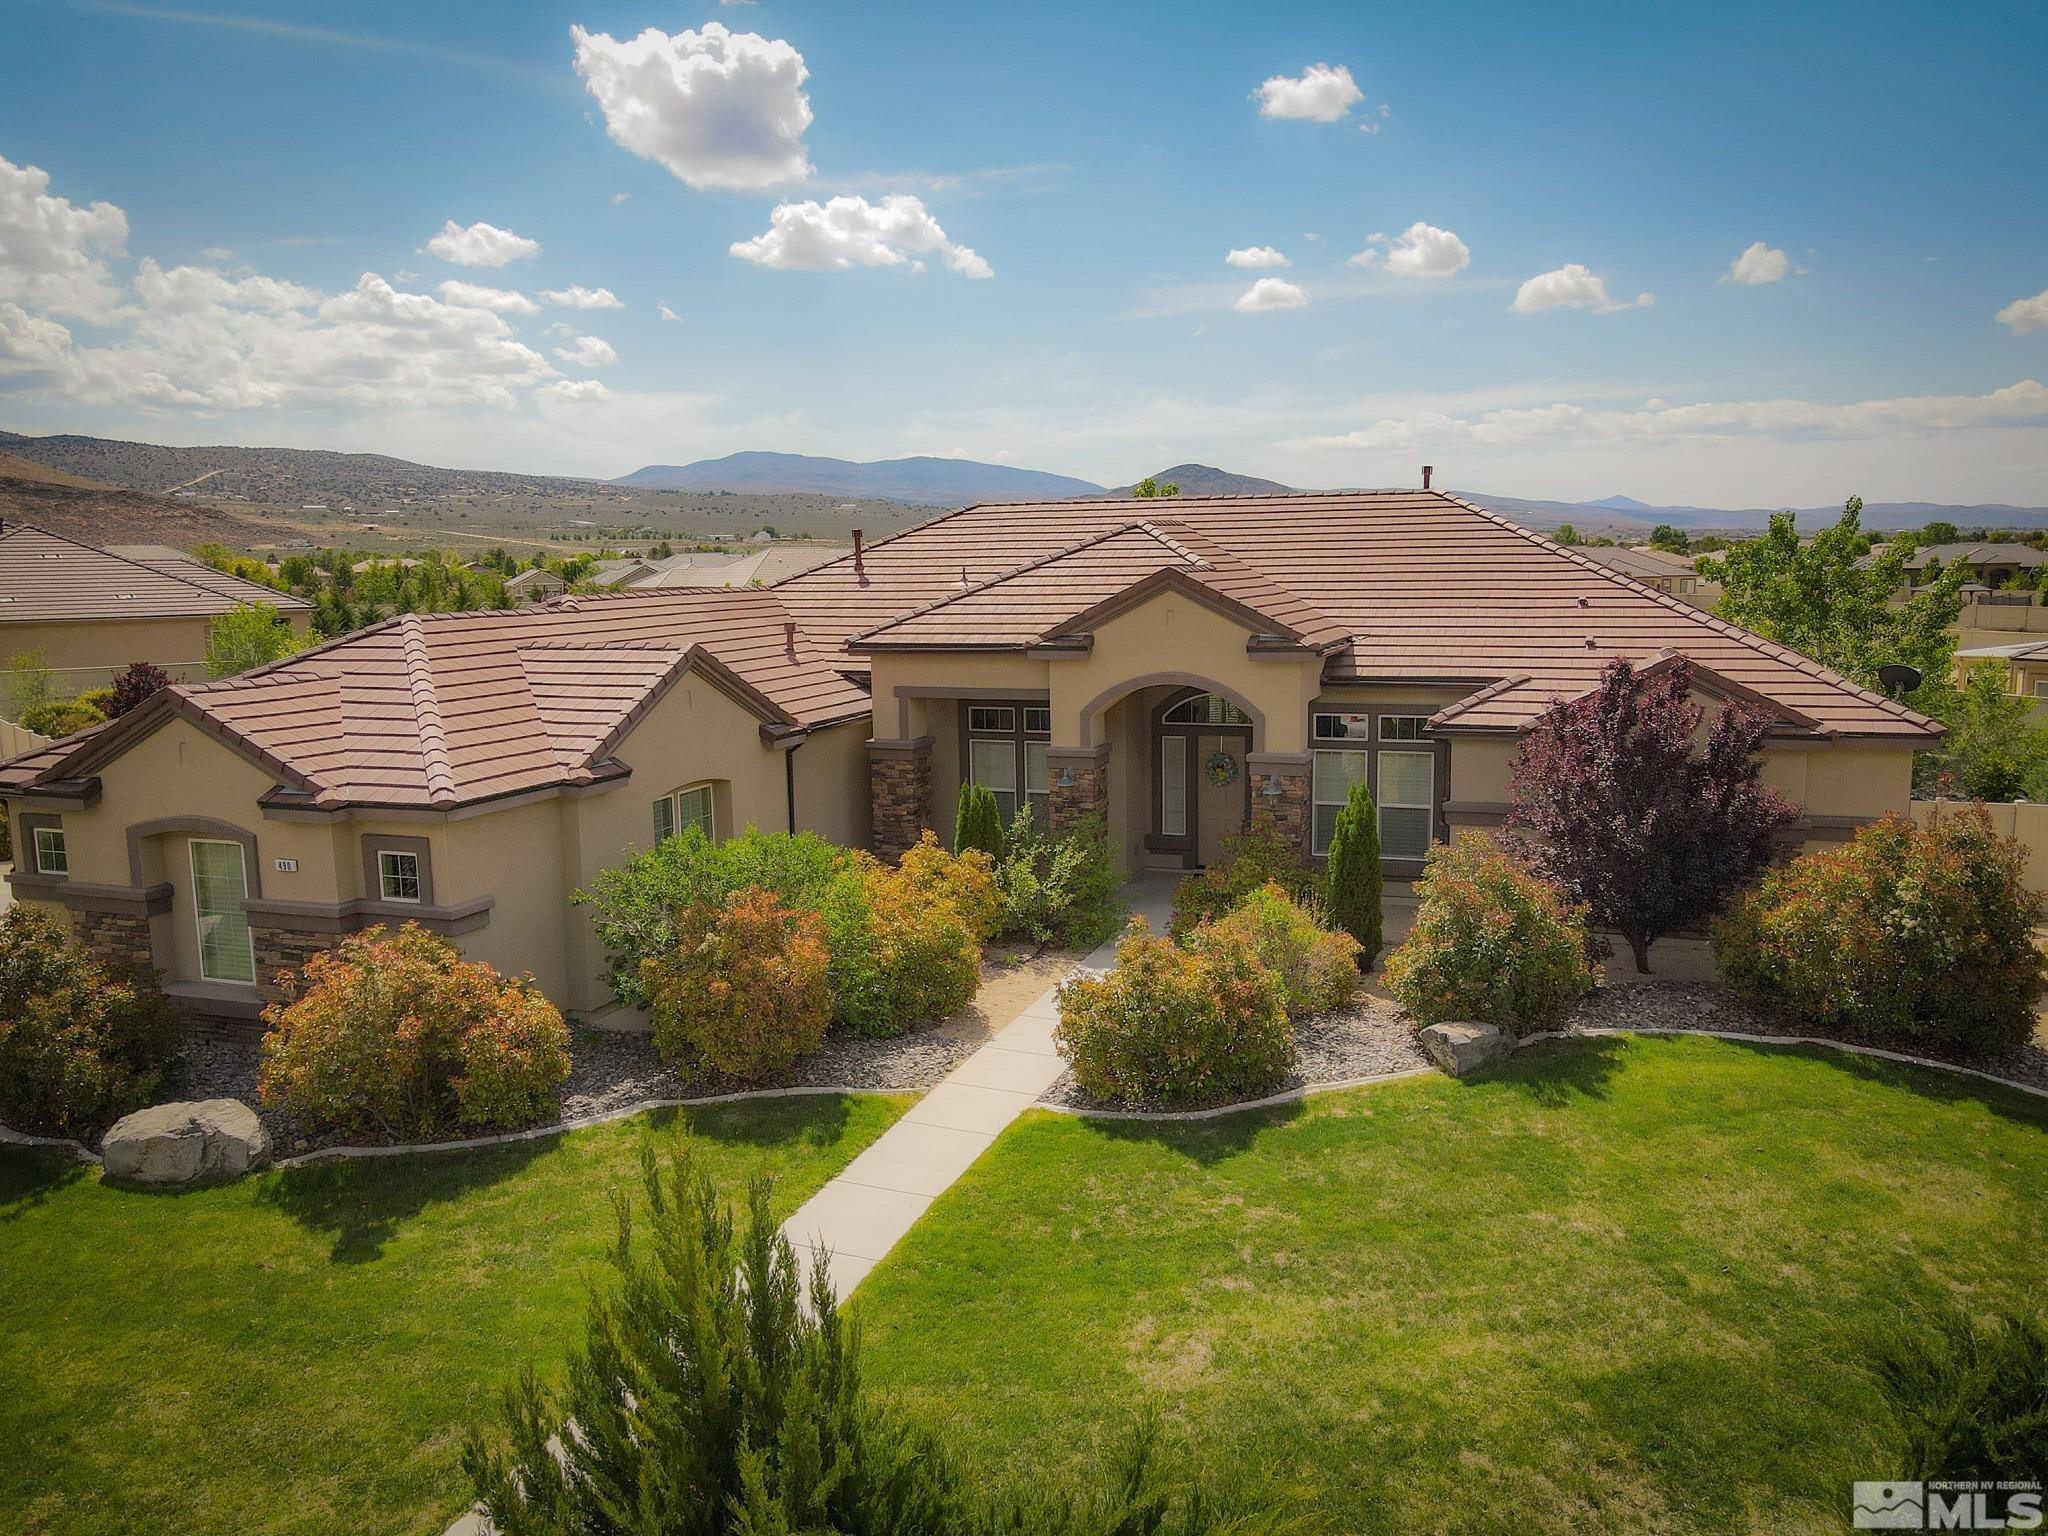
(1058, 294)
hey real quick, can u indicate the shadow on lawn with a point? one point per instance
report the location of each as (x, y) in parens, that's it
(363, 1202)
(31, 1175)
(1928, 1082)
(1204, 1142)
(1556, 1072)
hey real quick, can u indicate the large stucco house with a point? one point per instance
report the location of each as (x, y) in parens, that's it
(1170, 665)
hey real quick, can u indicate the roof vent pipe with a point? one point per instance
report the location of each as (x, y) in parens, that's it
(856, 549)
(789, 636)
(1427, 471)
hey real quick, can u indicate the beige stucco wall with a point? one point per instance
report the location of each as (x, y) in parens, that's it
(88, 655)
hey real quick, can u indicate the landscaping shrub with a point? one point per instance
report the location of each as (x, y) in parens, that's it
(978, 822)
(137, 682)
(713, 1395)
(634, 903)
(1059, 887)
(1351, 879)
(1908, 936)
(396, 1037)
(1971, 1401)
(966, 881)
(743, 988)
(1491, 943)
(60, 717)
(1174, 1025)
(1317, 969)
(1245, 862)
(914, 956)
(79, 1047)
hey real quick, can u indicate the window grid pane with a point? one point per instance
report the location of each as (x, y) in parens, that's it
(1342, 727)
(51, 858)
(994, 765)
(398, 876)
(1403, 727)
(693, 809)
(664, 819)
(219, 888)
(1037, 720)
(991, 718)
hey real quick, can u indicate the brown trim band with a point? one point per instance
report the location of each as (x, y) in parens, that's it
(911, 750)
(355, 915)
(199, 826)
(83, 896)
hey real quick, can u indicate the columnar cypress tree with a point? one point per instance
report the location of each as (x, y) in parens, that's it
(978, 823)
(1353, 876)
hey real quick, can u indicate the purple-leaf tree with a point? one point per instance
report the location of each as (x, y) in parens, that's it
(1615, 801)
(134, 685)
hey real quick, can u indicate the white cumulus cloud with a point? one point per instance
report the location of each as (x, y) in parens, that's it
(1421, 250)
(1573, 286)
(480, 245)
(1257, 256)
(52, 252)
(1760, 264)
(575, 296)
(2024, 404)
(506, 301)
(1270, 293)
(574, 390)
(1319, 94)
(668, 314)
(2025, 315)
(588, 352)
(719, 109)
(851, 232)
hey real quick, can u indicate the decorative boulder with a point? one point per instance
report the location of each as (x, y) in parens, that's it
(186, 1143)
(1461, 1048)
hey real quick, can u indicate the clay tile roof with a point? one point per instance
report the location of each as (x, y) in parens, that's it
(1427, 587)
(47, 578)
(449, 709)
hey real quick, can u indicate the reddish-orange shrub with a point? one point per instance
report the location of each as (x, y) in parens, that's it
(966, 881)
(743, 989)
(397, 1037)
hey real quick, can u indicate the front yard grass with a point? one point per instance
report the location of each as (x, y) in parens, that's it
(303, 1351)
(1619, 1285)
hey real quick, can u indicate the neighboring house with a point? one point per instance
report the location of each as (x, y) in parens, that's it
(92, 611)
(1667, 573)
(532, 586)
(762, 569)
(1991, 565)
(2025, 663)
(1168, 667)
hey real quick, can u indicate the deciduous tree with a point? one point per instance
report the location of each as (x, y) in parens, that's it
(1612, 800)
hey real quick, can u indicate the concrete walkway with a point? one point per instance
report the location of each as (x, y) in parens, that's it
(860, 1215)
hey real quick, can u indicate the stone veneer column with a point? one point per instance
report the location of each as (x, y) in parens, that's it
(1088, 794)
(1289, 809)
(118, 940)
(279, 950)
(900, 788)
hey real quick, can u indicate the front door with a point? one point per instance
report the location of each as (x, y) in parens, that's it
(220, 892)
(1221, 788)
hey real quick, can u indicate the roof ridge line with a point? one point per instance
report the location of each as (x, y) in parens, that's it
(1032, 564)
(426, 703)
(141, 565)
(1794, 659)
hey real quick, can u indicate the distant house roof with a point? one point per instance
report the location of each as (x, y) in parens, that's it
(1977, 555)
(1643, 564)
(764, 567)
(440, 710)
(46, 578)
(537, 577)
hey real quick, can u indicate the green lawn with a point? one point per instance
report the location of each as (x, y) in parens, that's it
(1618, 1286)
(301, 1352)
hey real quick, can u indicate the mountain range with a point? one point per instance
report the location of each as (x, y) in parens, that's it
(289, 476)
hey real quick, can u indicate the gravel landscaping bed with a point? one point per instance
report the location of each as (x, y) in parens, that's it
(608, 1070)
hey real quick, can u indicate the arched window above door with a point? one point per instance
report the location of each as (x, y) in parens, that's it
(1205, 709)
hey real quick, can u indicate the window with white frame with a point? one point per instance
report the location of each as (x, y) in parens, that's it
(1335, 727)
(220, 894)
(690, 807)
(1330, 784)
(1403, 727)
(1407, 795)
(398, 875)
(51, 858)
(1006, 755)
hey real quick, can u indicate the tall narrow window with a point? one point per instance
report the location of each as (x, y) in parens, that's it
(1038, 782)
(1173, 785)
(1407, 793)
(993, 765)
(398, 875)
(1329, 787)
(685, 808)
(51, 858)
(220, 889)
(664, 818)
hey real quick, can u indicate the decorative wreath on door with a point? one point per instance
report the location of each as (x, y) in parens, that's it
(1221, 769)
